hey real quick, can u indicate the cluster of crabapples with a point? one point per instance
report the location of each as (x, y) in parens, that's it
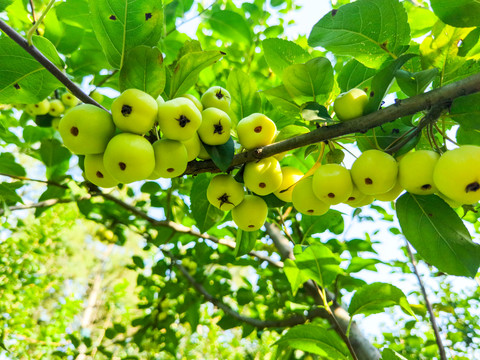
(117, 151)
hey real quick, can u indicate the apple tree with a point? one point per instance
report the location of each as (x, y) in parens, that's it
(239, 192)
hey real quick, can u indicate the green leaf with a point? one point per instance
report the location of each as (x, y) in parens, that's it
(22, 78)
(318, 263)
(374, 298)
(467, 136)
(3, 5)
(382, 81)
(295, 277)
(290, 131)
(438, 234)
(465, 110)
(245, 242)
(313, 111)
(309, 81)
(8, 194)
(281, 99)
(231, 26)
(55, 157)
(52, 192)
(365, 30)
(186, 71)
(8, 165)
(280, 54)
(354, 75)
(245, 97)
(415, 83)
(150, 187)
(222, 155)
(421, 19)
(143, 69)
(389, 354)
(123, 25)
(458, 13)
(205, 214)
(138, 261)
(75, 13)
(332, 221)
(316, 340)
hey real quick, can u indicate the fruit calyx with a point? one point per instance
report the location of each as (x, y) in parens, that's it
(122, 165)
(182, 121)
(218, 128)
(472, 187)
(219, 94)
(224, 199)
(126, 110)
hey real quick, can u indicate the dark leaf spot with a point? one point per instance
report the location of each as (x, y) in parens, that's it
(334, 12)
(113, 17)
(395, 131)
(148, 16)
(372, 93)
(16, 86)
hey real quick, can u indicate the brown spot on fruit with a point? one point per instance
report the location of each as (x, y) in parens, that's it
(74, 131)
(126, 110)
(251, 226)
(182, 121)
(351, 198)
(170, 169)
(472, 187)
(122, 165)
(331, 195)
(368, 181)
(262, 185)
(426, 187)
(99, 174)
(148, 16)
(311, 211)
(258, 129)
(113, 17)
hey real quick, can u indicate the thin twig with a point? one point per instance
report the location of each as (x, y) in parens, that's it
(105, 79)
(438, 338)
(192, 18)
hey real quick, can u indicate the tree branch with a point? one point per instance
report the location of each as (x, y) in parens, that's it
(433, 321)
(441, 97)
(42, 204)
(37, 55)
(261, 324)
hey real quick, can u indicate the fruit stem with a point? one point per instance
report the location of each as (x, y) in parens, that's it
(38, 22)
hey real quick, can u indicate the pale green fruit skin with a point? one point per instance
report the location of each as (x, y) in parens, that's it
(251, 213)
(56, 122)
(56, 107)
(69, 100)
(415, 172)
(332, 184)
(40, 108)
(216, 97)
(95, 129)
(392, 194)
(224, 187)
(350, 105)
(95, 95)
(203, 154)
(374, 172)
(135, 152)
(193, 146)
(256, 130)
(194, 99)
(305, 201)
(457, 174)
(367, 200)
(290, 176)
(355, 196)
(134, 111)
(215, 127)
(170, 158)
(159, 100)
(179, 108)
(453, 204)
(264, 176)
(96, 173)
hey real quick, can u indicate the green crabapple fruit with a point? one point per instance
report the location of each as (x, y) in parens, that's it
(392, 194)
(171, 158)
(351, 104)
(56, 107)
(215, 127)
(193, 146)
(457, 174)
(332, 184)
(40, 108)
(415, 172)
(256, 130)
(305, 201)
(264, 176)
(194, 99)
(251, 213)
(129, 157)
(96, 173)
(216, 97)
(86, 129)
(203, 154)
(134, 111)
(69, 100)
(290, 176)
(179, 118)
(224, 192)
(358, 199)
(374, 172)
(98, 97)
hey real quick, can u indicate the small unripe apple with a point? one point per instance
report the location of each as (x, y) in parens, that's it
(392, 194)
(56, 107)
(264, 176)
(56, 122)
(203, 154)
(69, 100)
(415, 172)
(98, 97)
(215, 127)
(332, 184)
(350, 105)
(216, 97)
(305, 201)
(134, 111)
(290, 176)
(129, 157)
(179, 119)
(193, 146)
(224, 192)
(170, 158)
(86, 129)
(256, 130)
(356, 197)
(194, 99)
(374, 172)
(40, 108)
(251, 213)
(96, 173)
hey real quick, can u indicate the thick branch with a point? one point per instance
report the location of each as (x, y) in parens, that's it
(37, 55)
(261, 324)
(441, 96)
